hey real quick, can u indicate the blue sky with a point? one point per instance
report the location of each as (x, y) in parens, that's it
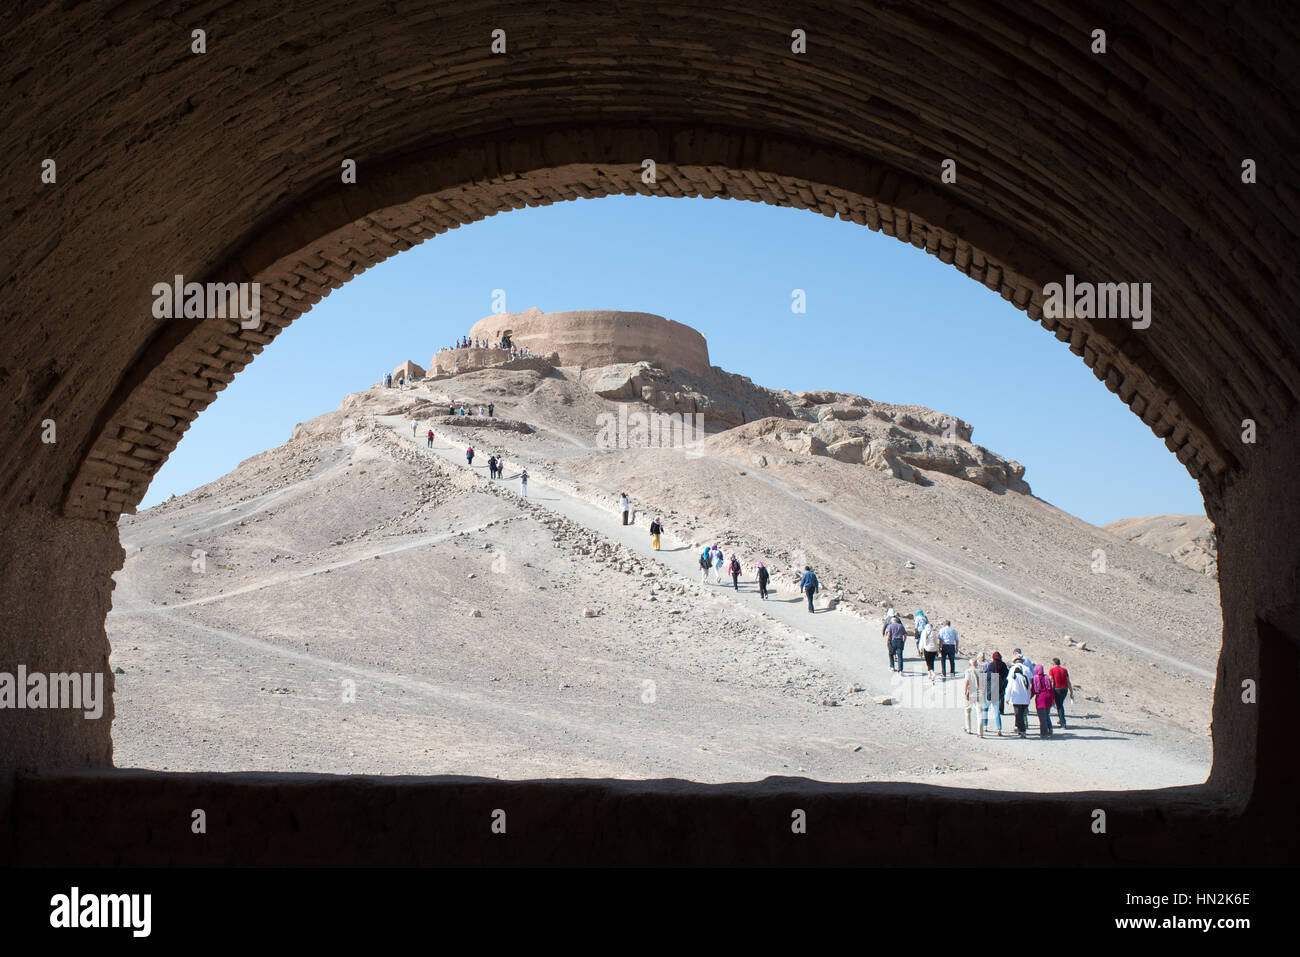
(883, 319)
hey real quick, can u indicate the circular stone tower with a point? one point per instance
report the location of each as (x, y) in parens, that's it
(592, 337)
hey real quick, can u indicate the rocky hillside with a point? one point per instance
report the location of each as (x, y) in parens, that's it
(1187, 539)
(904, 441)
(358, 601)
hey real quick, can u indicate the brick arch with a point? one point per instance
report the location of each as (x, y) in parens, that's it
(1122, 166)
(185, 368)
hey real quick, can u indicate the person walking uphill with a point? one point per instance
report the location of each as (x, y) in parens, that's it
(1018, 694)
(429, 440)
(718, 562)
(761, 576)
(921, 622)
(930, 649)
(656, 529)
(973, 689)
(948, 649)
(492, 467)
(469, 456)
(995, 680)
(733, 569)
(1062, 686)
(1044, 697)
(895, 641)
(523, 482)
(624, 505)
(706, 562)
(809, 585)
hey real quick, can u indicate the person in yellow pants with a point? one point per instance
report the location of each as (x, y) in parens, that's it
(656, 529)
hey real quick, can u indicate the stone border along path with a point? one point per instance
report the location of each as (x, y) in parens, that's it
(844, 643)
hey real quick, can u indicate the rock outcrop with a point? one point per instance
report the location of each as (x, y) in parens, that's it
(906, 442)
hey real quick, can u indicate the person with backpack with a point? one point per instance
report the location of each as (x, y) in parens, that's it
(1044, 696)
(995, 680)
(973, 691)
(718, 562)
(809, 585)
(492, 467)
(930, 649)
(706, 562)
(733, 569)
(761, 576)
(428, 444)
(1018, 693)
(656, 529)
(469, 456)
(1062, 686)
(895, 641)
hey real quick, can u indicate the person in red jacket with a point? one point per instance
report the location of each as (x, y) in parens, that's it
(1061, 686)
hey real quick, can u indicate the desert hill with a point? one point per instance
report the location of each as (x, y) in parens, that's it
(1187, 539)
(484, 633)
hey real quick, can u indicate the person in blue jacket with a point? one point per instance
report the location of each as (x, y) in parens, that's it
(921, 621)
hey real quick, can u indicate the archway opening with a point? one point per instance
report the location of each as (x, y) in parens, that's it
(860, 556)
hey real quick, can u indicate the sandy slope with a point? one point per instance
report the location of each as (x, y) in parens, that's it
(355, 554)
(1187, 539)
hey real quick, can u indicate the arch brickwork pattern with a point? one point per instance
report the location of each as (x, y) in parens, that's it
(224, 166)
(150, 421)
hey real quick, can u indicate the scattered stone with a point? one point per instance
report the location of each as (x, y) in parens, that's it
(589, 613)
(476, 613)
(884, 699)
